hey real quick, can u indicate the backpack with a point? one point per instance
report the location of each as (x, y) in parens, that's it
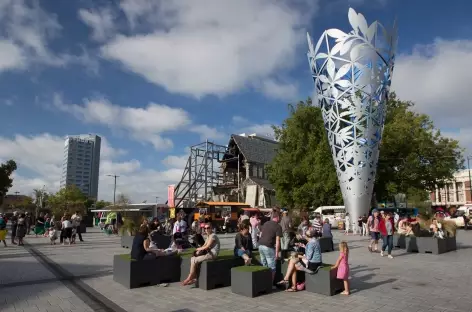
(3, 224)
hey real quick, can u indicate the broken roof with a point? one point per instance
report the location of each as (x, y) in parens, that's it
(256, 149)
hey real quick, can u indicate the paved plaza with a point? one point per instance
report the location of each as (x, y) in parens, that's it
(40, 277)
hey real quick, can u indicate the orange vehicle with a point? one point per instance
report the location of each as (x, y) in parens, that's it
(218, 210)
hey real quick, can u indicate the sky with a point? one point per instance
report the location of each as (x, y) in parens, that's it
(153, 77)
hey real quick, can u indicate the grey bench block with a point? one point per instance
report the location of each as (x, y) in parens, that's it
(324, 282)
(217, 273)
(251, 283)
(127, 241)
(411, 244)
(399, 241)
(436, 245)
(134, 274)
(326, 244)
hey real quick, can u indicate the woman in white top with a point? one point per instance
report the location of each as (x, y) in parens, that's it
(67, 229)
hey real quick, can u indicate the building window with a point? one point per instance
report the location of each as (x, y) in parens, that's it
(254, 170)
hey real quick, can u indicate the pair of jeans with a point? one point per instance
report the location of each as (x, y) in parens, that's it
(240, 253)
(267, 257)
(387, 243)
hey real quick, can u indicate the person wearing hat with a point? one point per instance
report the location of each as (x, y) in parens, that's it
(286, 224)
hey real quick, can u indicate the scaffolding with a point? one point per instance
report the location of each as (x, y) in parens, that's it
(200, 175)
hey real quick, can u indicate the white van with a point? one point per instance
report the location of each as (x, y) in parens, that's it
(333, 213)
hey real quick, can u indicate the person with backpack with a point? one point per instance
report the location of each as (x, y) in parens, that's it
(3, 230)
(365, 228)
(374, 222)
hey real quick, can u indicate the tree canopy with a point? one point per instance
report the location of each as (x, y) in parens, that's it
(68, 199)
(303, 173)
(414, 157)
(6, 182)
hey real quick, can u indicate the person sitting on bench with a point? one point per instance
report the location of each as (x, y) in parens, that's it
(140, 249)
(209, 251)
(243, 243)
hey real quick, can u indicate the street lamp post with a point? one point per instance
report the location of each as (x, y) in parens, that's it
(470, 180)
(114, 188)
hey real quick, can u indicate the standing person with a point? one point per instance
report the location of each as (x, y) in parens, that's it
(76, 220)
(347, 223)
(39, 226)
(21, 229)
(326, 232)
(317, 226)
(29, 222)
(255, 230)
(269, 243)
(374, 221)
(14, 225)
(359, 225)
(226, 223)
(342, 264)
(387, 229)
(119, 223)
(3, 230)
(66, 230)
(304, 226)
(365, 228)
(286, 225)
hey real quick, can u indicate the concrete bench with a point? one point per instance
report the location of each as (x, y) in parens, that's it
(326, 244)
(133, 274)
(251, 281)
(411, 244)
(212, 273)
(436, 245)
(399, 241)
(324, 281)
(127, 241)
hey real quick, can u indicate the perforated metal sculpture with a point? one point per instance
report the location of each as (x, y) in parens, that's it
(352, 74)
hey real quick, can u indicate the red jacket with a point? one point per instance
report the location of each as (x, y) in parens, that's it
(383, 228)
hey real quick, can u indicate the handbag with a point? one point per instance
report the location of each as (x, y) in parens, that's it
(200, 253)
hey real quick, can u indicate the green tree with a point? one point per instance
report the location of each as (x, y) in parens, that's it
(302, 172)
(414, 156)
(68, 199)
(6, 170)
(102, 204)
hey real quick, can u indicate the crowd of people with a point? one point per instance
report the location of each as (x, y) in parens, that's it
(273, 239)
(68, 228)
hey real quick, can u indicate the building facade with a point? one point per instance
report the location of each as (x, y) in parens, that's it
(455, 193)
(81, 166)
(243, 169)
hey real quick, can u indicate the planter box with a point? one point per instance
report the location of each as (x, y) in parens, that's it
(411, 244)
(324, 281)
(251, 281)
(399, 241)
(127, 241)
(326, 244)
(436, 245)
(132, 274)
(280, 267)
(217, 273)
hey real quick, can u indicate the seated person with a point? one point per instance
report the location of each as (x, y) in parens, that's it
(310, 262)
(243, 243)
(209, 251)
(402, 226)
(140, 249)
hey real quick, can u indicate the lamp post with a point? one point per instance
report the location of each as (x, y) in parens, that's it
(114, 188)
(470, 180)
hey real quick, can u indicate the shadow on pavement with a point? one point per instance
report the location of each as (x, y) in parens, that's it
(360, 283)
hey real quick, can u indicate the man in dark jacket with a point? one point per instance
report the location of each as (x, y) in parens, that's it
(14, 226)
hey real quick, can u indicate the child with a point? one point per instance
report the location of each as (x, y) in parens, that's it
(52, 235)
(342, 265)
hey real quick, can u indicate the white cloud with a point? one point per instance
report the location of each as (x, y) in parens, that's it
(27, 31)
(212, 46)
(278, 90)
(437, 78)
(101, 22)
(39, 158)
(175, 161)
(208, 133)
(242, 125)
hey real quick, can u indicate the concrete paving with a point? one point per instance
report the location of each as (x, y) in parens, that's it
(40, 277)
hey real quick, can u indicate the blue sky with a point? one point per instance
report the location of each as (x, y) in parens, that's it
(153, 77)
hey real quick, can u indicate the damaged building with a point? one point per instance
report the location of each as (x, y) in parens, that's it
(244, 176)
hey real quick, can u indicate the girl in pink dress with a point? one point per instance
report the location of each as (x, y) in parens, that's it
(342, 265)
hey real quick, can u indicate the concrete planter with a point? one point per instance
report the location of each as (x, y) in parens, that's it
(127, 241)
(436, 245)
(411, 244)
(133, 274)
(324, 281)
(251, 281)
(280, 267)
(399, 241)
(326, 244)
(217, 273)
